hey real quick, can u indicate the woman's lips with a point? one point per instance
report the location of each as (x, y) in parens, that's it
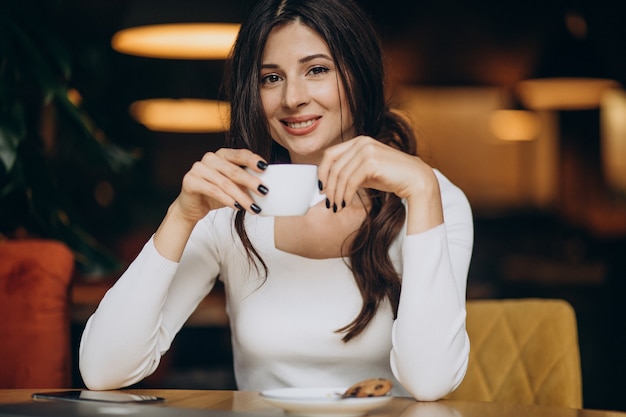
(300, 126)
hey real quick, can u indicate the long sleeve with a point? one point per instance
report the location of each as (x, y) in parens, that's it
(139, 316)
(430, 344)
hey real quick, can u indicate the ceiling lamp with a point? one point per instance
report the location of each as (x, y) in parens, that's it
(571, 74)
(567, 93)
(181, 30)
(182, 115)
(177, 40)
(613, 138)
(514, 125)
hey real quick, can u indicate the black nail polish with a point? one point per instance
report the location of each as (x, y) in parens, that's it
(343, 204)
(327, 203)
(334, 208)
(255, 208)
(238, 206)
(261, 165)
(262, 189)
(319, 185)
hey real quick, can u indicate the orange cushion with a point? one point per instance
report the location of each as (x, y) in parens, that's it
(35, 278)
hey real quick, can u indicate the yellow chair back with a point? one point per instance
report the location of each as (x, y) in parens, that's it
(522, 351)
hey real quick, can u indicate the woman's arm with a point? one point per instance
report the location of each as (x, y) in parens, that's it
(430, 344)
(139, 316)
(216, 181)
(137, 319)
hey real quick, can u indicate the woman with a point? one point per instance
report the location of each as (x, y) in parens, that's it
(373, 285)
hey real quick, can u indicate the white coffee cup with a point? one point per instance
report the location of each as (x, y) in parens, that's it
(292, 189)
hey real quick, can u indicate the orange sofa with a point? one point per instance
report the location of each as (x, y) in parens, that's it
(35, 339)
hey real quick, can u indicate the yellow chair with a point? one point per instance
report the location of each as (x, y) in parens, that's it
(522, 351)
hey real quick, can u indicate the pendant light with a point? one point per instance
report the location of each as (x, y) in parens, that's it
(571, 74)
(182, 30)
(177, 40)
(185, 29)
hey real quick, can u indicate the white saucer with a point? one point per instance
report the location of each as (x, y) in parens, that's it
(318, 402)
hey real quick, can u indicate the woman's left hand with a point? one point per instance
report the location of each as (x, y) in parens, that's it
(364, 162)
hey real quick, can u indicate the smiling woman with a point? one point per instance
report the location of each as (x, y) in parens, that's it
(374, 284)
(298, 72)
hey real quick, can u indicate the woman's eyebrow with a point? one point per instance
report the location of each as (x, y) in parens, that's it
(314, 56)
(301, 60)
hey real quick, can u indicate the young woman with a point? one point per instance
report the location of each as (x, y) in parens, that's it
(372, 284)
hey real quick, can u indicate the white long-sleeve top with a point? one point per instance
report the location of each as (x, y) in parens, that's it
(284, 329)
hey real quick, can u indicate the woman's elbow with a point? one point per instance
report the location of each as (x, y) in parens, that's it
(101, 373)
(94, 380)
(96, 374)
(423, 391)
(432, 383)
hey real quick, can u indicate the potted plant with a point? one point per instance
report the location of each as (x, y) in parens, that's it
(46, 139)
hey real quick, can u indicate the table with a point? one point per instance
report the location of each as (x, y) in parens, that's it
(249, 401)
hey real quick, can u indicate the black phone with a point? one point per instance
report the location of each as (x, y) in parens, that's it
(98, 396)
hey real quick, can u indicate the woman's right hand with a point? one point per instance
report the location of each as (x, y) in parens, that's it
(217, 180)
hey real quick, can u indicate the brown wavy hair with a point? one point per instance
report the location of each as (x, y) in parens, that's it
(356, 49)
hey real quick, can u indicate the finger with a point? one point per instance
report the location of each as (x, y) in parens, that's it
(243, 158)
(231, 164)
(326, 172)
(350, 180)
(335, 176)
(223, 181)
(330, 156)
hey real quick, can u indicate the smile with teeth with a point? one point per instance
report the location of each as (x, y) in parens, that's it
(300, 125)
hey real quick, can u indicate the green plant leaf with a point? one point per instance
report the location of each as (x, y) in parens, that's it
(35, 71)
(9, 142)
(98, 148)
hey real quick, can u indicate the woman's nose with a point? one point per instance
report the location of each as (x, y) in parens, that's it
(295, 94)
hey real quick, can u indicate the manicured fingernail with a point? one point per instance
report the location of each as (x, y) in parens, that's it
(261, 165)
(319, 185)
(334, 208)
(262, 189)
(255, 208)
(327, 203)
(238, 206)
(343, 204)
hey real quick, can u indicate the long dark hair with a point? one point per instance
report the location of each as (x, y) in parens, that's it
(356, 49)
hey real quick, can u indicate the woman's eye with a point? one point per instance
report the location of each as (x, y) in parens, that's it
(270, 78)
(318, 70)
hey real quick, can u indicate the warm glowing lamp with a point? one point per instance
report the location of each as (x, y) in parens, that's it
(571, 74)
(177, 40)
(613, 137)
(182, 115)
(514, 125)
(566, 93)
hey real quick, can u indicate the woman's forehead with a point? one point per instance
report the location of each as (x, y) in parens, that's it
(294, 38)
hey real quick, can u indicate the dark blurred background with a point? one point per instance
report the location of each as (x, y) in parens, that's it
(548, 223)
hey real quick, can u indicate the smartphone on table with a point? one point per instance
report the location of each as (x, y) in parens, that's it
(97, 396)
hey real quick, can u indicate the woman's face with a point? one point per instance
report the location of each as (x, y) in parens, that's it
(302, 94)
